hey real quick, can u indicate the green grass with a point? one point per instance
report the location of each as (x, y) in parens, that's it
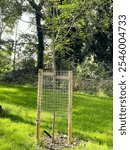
(92, 119)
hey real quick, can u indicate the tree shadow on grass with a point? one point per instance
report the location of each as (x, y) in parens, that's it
(21, 96)
(93, 115)
(15, 118)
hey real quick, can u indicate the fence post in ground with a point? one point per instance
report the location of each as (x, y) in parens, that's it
(54, 109)
(70, 92)
(39, 99)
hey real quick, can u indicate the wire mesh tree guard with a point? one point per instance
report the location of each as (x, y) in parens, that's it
(55, 95)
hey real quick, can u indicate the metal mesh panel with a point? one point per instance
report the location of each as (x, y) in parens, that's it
(55, 93)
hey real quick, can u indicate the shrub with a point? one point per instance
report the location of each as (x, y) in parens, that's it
(21, 76)
(93, 78)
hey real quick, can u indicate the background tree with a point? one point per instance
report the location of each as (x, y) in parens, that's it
(79, 28)
(39, 16)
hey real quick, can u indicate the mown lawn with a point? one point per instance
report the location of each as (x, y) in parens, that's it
(92, 119)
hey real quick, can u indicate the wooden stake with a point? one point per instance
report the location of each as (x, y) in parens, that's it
(54, 107)
(70, 107)
(39, 98)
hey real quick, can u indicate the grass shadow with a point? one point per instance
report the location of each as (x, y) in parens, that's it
(15, 118)
(19, 95)
(92, 118)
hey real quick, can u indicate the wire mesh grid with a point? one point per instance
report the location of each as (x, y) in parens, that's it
(55, 93)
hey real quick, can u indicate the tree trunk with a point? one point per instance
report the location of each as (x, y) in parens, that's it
(39, 16)
(40, 41)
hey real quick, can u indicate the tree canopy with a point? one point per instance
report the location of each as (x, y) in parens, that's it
(78, 29)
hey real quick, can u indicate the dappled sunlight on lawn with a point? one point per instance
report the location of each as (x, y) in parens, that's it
(92, 119)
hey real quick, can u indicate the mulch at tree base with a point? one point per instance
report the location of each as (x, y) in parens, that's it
(61, 142)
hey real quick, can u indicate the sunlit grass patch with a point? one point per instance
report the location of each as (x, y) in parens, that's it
(16, 135)
(92, 119)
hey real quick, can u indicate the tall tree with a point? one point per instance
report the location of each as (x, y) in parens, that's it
(80, 27)
(9, 12)
(18, 7)
(39, 17)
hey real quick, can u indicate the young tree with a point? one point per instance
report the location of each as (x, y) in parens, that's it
(79, 30)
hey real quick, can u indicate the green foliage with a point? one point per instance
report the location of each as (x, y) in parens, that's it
(21, 76)
(10, 10)
(94, 78)
(99, 29)
(100, 87)
(25, 64)
(92, 69)
(4, 61)
(81, 28)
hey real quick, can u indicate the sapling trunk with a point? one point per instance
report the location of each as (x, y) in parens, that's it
(54, 70)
